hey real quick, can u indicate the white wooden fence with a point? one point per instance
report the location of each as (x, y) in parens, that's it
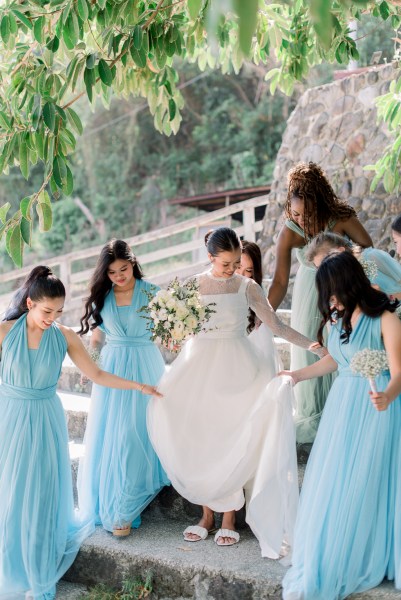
(76, 281)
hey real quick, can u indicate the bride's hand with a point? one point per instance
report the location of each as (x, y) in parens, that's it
(317, 349)
(289, 374)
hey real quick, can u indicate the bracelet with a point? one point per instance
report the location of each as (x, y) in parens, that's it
(142, 388)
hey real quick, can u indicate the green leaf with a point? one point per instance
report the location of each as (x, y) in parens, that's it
(75, 120)
(13, 23)
(59, 171)
(138, 56)
(26, 231)
(14, 245)
(3, 211)
(91, 61)
(4, 121)
(22, 18)
(45, 216)
(49, 115)
(38, 29)
(23, 159)
(137, 37)
(36, 117)
(73, 28)
(172, 109)
(247, 13)
(40, 144)
(53, 44)
(5, 28)
(83, 10)
(44, 198)
(194, 7)
(89, 80)
(68, 188)
(384, 10)
(105, 73)
(25, 207)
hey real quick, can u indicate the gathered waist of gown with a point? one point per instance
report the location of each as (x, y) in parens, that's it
(22, 393)
(117, 340)
(218, 334)
(347, 372)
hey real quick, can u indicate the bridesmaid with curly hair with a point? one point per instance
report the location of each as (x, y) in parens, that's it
(312, 206)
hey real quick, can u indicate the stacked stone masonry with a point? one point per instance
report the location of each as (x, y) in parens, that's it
(336, 126)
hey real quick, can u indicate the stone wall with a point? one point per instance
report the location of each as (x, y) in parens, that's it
(335, 125)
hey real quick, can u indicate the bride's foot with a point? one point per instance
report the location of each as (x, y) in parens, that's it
(122, 530)
(227, 535)
(206, 525)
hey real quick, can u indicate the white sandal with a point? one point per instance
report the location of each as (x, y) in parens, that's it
(226, 533)
(202, 532)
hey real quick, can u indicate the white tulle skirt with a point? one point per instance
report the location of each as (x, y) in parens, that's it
(224, 432)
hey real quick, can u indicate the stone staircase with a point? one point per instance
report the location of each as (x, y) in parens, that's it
(180, 571)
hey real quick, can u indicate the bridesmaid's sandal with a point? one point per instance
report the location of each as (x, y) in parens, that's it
(226, 533)
(197, 530)
(123, 531)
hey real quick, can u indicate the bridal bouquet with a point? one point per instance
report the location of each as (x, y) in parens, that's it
(370, 268)
(176, 313)
(369, 363)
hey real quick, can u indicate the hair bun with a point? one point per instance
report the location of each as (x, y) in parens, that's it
(41, 271)
(207, 236)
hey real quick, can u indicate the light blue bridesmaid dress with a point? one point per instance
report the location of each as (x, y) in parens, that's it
(348, 531)
(120, 473)
(40, 534)
(388, 276)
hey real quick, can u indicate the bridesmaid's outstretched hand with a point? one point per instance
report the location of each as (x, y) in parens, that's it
(150, 390)
(318, 349)
(291, 374)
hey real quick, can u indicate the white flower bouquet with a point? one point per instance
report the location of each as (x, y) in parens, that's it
(398, 311)
(176, 313)
(369, 363)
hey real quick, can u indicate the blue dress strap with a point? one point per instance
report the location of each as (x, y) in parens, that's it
(294, 227)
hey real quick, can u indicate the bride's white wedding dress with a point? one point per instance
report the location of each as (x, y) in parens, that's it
(224, 430)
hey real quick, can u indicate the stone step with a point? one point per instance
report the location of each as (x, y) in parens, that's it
(168, 504)
(70, 591)
(76, 408)
(186, 571)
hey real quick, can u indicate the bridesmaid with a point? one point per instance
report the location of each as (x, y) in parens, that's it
(388, 276)
(311, 207)
(348, 530)
(396, 233)
(40, 534)
(120, 473)
(259, 334)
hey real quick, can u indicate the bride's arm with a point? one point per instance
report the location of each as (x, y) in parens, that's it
(260, 305)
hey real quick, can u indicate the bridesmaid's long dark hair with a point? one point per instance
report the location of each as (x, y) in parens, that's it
(252, 250)
(342, 275)
(100, 283)
(39, 284)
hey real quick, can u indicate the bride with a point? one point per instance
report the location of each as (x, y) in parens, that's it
(224, 431)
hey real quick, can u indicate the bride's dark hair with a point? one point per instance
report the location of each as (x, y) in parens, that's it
(342, 275)
(100, 283)
(222, 239)
(39, 284)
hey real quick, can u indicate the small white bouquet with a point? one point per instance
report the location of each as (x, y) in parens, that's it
(176, 313)
(369, 363)
(398, 311)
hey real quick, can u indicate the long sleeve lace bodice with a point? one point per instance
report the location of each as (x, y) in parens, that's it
(212, 288)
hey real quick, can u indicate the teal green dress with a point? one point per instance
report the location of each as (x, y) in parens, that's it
(310, 396)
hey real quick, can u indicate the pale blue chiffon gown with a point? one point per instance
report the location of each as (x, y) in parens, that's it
(348, 530)
(40, 534)
(120, 473)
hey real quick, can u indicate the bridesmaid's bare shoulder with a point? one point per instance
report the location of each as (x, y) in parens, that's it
(5, 327)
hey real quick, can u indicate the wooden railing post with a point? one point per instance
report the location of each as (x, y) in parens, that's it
(65, 276)
(248, 213)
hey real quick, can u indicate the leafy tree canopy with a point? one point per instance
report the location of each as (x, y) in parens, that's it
(56, 51)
